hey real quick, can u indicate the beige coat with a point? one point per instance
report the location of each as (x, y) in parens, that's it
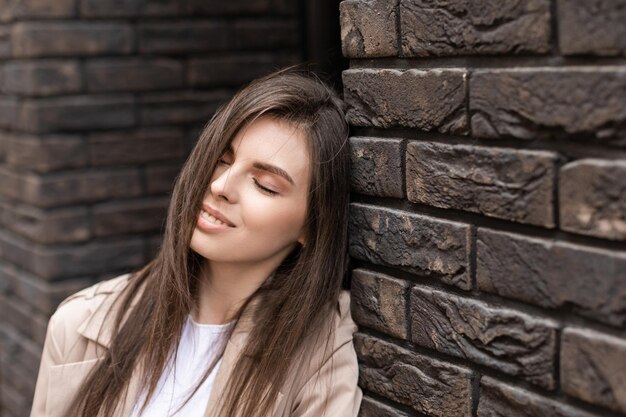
(72, 347)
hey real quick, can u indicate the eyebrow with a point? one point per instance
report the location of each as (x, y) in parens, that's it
(273, 169)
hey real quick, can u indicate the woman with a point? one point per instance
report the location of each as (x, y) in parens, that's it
(252, 261)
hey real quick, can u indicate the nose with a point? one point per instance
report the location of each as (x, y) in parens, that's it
(223, 184)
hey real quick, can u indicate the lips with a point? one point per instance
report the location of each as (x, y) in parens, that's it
(217, 214)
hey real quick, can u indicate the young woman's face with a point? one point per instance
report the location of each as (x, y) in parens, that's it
(260, 189)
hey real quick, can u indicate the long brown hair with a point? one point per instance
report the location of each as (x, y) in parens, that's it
(297, 300)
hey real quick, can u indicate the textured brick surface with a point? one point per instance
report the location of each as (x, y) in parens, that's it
(214, 35)
(377, 166)
(593, 366)
(379, 302)
(592, 198)
(368, 28)
(466, 27)
(45, 77)
(38, 39)
(504, 339)
(508, 184)
(528, 103)
(44, 296)
(49, 115)
(23, 9)
(180, 107)
(44, 153)
(69, 187)
(138, 146)
(9, 109)
(234, 69)
(62, 262)
(160, 178)
(592, 27)
(417, 243)
(138, 74)
(5, 41)
(498, 399)
(47, 226)
(424, 99)
(552, 274)
(130, 217)
(425, 384)
(131, 8)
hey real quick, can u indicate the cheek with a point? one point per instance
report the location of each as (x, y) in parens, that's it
(276, 218)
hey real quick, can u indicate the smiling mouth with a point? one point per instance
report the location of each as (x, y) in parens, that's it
(212, 219)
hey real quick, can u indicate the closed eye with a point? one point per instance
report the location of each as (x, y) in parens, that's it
(256, 183)
(265, 189)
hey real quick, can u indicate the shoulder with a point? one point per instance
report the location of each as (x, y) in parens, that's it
(78, 307)
(340, 344)
(344, 325)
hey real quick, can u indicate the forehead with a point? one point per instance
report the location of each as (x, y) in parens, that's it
(276, 142)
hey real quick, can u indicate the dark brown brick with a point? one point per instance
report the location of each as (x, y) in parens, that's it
(131, 8)
(14, 376)
(469, 27)
(60, 189)
(529, 103)
(38, 39)
(509, 184)
(44, 153)
(5, 42)
(160, 178)
(368, 28)
(50, 115)
(234, 69)
(261, 33)
(9, 109)
(13, 401)
(182, 107)
(378, 302)
(42, 77)
(42, 295)
(432, 100)
(54, 263)
(133, 74)
(498, 399)
(130, 217)
(425, 384)
(373, 408)
(592, 27)
(137, 146)
(25, 9)
(182, 37)
(377, 166)
(239, 7)
(419, 244)
(593, 366)
(586, 280)
(23, 318)
(500, 338)
(47, 226)
(592, 198)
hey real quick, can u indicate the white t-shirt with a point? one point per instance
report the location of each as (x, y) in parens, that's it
(198, 346)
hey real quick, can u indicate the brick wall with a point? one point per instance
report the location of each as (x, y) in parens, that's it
(488, 219)
(100, 102)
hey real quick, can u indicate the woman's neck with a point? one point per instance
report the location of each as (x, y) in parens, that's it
(223, 288)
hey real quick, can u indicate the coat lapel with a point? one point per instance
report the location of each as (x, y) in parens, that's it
(99, 330)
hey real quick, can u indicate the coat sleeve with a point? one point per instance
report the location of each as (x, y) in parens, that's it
(332, 390)
(50, 356)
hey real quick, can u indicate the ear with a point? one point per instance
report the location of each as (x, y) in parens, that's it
(301, 239)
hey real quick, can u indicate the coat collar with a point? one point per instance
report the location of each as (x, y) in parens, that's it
(99, 330)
